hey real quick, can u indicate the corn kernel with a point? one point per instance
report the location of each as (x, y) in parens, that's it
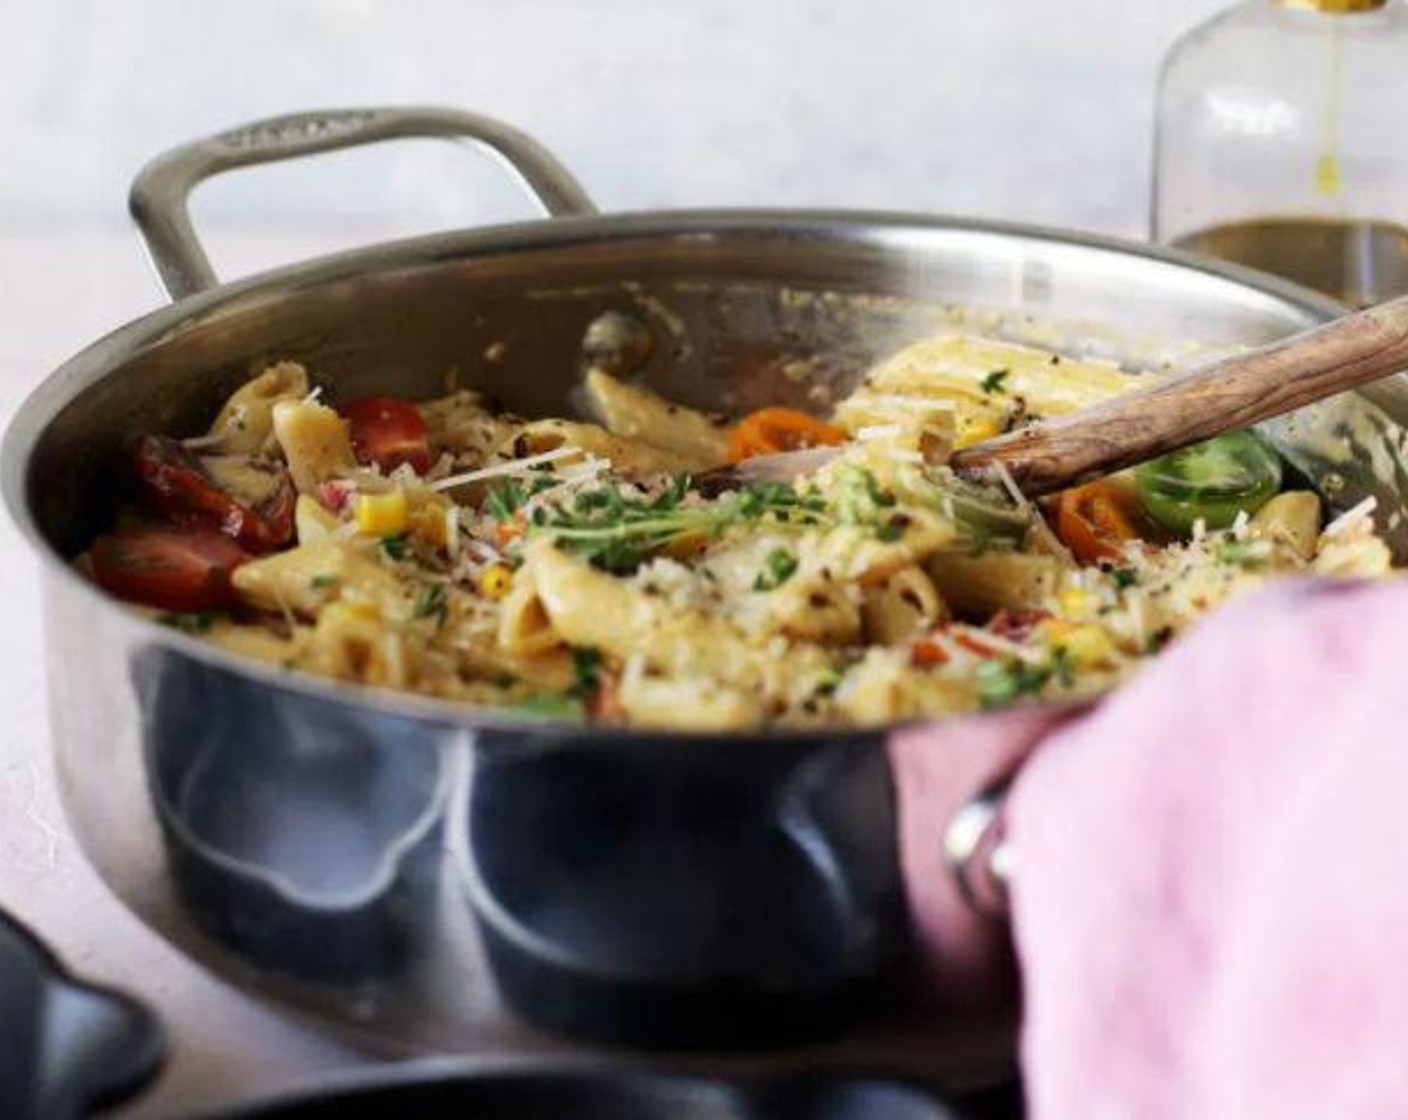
(975, 430)
(431, 523)
(381, 515)
(1087, 646)
(1075, 603)
(495, 581)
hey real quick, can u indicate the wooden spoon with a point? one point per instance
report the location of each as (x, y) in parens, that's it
(1171, 413)
(1175, 412)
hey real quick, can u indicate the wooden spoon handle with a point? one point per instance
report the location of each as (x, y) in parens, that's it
(1173, 413)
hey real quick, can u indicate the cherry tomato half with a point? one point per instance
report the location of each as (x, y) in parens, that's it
(388, 432)
(173, 569)
(770, 430)
(178, 486)
(1097, 520)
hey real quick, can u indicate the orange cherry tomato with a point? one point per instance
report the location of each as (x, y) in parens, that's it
(1097, 520)
(925, 654)
(974, 645)
(507, 531)
(771, 430)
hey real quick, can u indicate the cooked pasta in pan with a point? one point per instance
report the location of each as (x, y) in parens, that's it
(604, 569)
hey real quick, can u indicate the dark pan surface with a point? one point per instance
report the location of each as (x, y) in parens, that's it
(66, 1047)
(625, 1094)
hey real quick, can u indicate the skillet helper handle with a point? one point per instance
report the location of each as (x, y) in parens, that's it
(159, 200)
(1233, 393)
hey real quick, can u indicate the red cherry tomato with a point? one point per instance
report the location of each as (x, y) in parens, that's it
(178, 486)
(173, 569)
(388, 432)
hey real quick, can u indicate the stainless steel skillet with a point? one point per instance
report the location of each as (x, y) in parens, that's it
(413, 869)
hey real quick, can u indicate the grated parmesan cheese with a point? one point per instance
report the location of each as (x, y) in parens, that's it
(1351, 518)
(1009, 484)
(500, 470)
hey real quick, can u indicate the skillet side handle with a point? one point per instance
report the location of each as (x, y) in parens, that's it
(161, 192)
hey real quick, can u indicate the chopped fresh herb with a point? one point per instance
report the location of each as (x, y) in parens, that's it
(395, 546)
(1061, 667)
(318, 583)
(859, 497)
(892, 528)
(586, 672)
(1002, 682)
(503, 500)
(979, 540)
(993, 381)
(509, 496)
(554, 704)
(1124, 578)
(187, 622)
(1247, 554)
(1160, 638)
(433, 602)
(777, 570)
(616, 531)
(882, 498)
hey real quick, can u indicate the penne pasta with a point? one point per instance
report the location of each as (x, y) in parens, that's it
(578, 569)
(638, 414)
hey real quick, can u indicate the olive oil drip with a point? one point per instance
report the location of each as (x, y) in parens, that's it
(1329, 177)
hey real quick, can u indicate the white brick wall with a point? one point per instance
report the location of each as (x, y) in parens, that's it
(1031, 109)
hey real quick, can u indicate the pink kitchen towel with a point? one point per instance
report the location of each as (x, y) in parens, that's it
(1210, 900)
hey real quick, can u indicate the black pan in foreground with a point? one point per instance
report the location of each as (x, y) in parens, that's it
(66, 1047)
(617, 1093)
